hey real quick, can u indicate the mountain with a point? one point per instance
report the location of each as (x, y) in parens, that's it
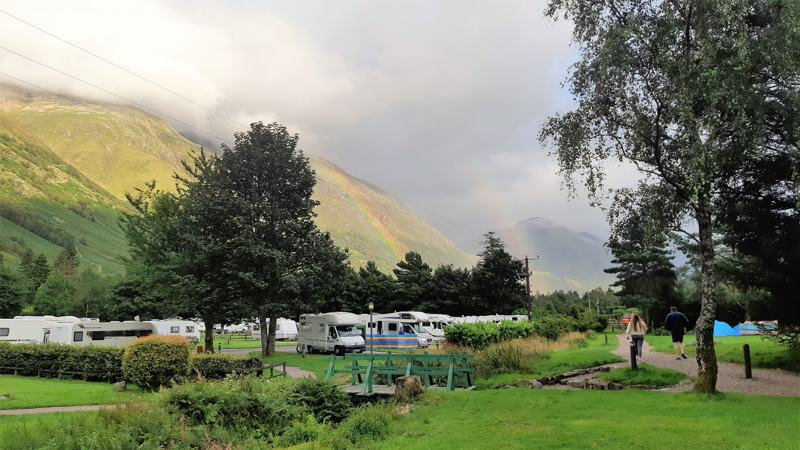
(568, 259)
(66, 164)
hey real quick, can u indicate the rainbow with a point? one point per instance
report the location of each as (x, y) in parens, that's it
(364, 206)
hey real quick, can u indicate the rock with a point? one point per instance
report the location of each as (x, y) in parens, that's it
(408, 388)
(120, 387)
(577, 384)
(615, 386)
(533, 384)
(6, 396)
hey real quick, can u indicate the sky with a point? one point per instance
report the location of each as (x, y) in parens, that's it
(437, 102)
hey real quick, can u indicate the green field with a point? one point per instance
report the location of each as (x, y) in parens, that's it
(33, 392)
(646, 375)
(241, 342)
(523, 418)
(763, 353)
(595, 352)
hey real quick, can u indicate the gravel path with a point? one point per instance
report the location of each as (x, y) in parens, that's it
(53, 409)
(730, 377)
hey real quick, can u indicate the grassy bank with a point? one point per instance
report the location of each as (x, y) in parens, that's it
(520, 418)
(646, 374)
(763, 353)
(32, 392)
(593, 352)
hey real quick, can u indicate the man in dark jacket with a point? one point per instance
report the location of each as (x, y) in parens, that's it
(677, 323)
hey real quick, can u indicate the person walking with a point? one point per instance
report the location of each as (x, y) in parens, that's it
(677, 324)
(636, 331)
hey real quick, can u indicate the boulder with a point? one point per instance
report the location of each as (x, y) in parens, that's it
(407, 388)
(6, 396)
(120, 387)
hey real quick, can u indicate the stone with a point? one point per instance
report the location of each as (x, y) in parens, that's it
(120, 387)
(615, 386)
(408, 388)
(6, 396)
(534, 384)
(577, 384)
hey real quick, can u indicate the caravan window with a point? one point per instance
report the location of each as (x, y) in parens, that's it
(408, 328)
(4, 331)
(347, 330)
(190, 329)
(392, 326)
(77, 336)
(426, 324)
(176, 329)
(277, 326)
(97, 335)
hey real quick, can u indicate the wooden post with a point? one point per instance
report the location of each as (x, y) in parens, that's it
(605, 335)
(284, 370)
(634, 366)
(748, 368)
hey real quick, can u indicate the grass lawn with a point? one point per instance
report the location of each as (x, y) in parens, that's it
(33, 392)
(240, 341)
(33, 423)
(312, 363)
(763, 353)
(646, 374)
(596, 352)
(523, 418)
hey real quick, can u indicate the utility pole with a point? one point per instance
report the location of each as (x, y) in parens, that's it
(527, 275)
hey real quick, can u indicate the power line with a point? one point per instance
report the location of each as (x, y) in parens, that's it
(123, 68)
(129, 100)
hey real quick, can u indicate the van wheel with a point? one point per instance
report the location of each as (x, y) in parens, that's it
(338, 351)
(299, 349)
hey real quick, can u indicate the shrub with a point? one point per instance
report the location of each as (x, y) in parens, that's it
(89, 362)
(218, 366)
(322, 398)
(553, 326)
(369, 423)
(236, 403)
(302, 432)
(475, 335)
(502, 357)
(156, 361)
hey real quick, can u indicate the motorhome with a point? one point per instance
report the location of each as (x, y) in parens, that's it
(71, 330)
(178, 327)
(435, 325)
(398, 331)
(285, 330)
(334, 332)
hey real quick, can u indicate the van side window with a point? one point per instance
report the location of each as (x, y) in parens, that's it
(77, 336)
(332, 332)
(392, 326)
(190, 329)
(174, 329)
(98, 335)
(4, 331)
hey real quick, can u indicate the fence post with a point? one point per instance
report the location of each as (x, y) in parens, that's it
(605, 335)
(634, 366)
(284, 370)
(748, 368)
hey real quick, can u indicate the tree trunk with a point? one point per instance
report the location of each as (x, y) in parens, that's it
(704, 330)
(209, 338)
(273, 320)
(262, 323)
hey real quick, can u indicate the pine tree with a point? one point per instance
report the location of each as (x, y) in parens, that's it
(496, 279)
(66, 262)
(413, 282)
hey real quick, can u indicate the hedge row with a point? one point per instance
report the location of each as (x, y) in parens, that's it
(57, 360)
(217, 366)
(480, 335)
(148, 362)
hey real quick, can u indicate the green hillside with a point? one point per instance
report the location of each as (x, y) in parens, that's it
(67, 164)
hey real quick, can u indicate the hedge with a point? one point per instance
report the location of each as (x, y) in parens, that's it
(84, 362)
(217, 366)
(154, 361)
(480, 335)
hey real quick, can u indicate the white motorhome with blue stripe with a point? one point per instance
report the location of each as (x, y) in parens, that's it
(398, 331)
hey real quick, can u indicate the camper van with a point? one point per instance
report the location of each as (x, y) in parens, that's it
(71, 330)
(177, 327)
(286, 329)
(435, 326)
(329, 332)
(398, 331)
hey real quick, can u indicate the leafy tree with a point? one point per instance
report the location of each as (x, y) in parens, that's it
(34, 272)
(375, 286)
(413, 280)
(680, 90)
(55, 297)
(67, 262)
(91, 290)
(267, 184)
(12, 293)
(496, 279)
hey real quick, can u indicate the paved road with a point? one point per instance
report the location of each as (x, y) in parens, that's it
(730, 377)
(54, 409)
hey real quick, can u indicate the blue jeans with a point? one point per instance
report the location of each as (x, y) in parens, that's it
(638, 340)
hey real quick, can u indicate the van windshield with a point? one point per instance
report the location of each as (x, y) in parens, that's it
(347, 330)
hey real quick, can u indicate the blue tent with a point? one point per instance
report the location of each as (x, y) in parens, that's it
(723, 329)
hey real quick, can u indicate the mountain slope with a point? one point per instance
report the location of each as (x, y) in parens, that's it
(107, 150)
(568, 259)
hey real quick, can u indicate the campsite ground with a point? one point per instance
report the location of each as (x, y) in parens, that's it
(764, 353)
(32, 392)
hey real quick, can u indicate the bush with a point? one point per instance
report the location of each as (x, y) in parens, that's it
(369, 423)
(481, 335)
(89, 362)
(502, 357)
(322, 398)
(155, 361)
(553, 326)
(302, 432)
(474, 335)
(236, 403)
(218, 366)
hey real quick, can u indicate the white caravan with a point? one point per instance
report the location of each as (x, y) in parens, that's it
(177, 327)
(329, 332)
(71, 330)
(286, 329)
(435, 326)
(407, 323)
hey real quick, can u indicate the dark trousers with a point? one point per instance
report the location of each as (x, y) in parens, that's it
(638, 340)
